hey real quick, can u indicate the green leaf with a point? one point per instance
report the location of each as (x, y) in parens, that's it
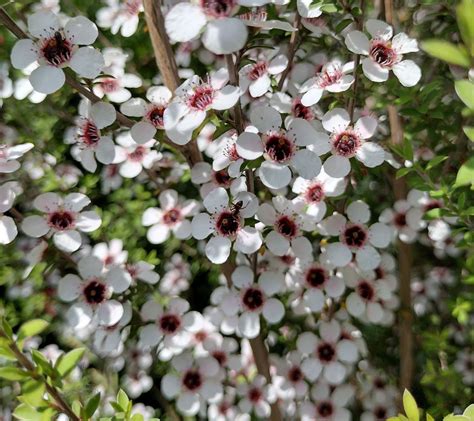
(67, 362)
(465, 18)
(32, 393)
(92, 405)
(469, 132)
(410, 406)
(7, 329)
(435, 161)
(465, 90)
(26, 412)
(465, 174)
(402, 172)
(433, 214)
(429, 417)
(13, 373)
(43, 363)
(444, 50)
(137, 417)
(32, 328)
(122, 399)
(469, 412)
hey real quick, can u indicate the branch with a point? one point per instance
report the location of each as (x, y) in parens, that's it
(291, 51)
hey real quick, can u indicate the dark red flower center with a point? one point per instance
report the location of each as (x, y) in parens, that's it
(400, 219)
(95, 292)
(314, 193)
(326, 352)
(132, 7)
(228, 223)
(172, 216)
(221, 357)
(155, 116)
(325, 409)
(257, 70)
(218, 8)
(365, 291)
(254, 394)
(253, 299)
(295, 374)
(202, 98)
(61, 220)
(278, 147)
(382, 53)
(329, 76)
(300, 111)
(89, 134)
(192, 380)
(316, 277)
(380, 413)
(109, 85)
(57, 50)
(286, 226)
(169, 323)
(346, 144)
(138, 154)
(354, 236)
(222, 178)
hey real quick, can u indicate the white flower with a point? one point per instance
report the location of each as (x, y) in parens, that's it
(170, 218)
(63, 218)
(142, 271)
(328, 403)
(287, 226)
(332, 78)
(222, 33)
(176, 276)
(405, 220)
(92, 291)
(256, 77)
(8, 193)
(227, 223)
(327, 354)
(152, 113)
(355, 237)
(195, 381)
(257, 397)
(133, 157)
(192, 101)
(384, 53)
(23, 88)
(347, 141)
(55, 47)
(9, 156)
(115, 87)
(111, 254)
(289, 367)
(226, 155)
(120, 15)
(6, 84)
(313, 192)
(90, 141)
(297, 147)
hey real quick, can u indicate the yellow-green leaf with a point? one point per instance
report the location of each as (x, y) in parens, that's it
(26, 412)
(465, 18)
(469, 132)
(32, 393)
(429, 417)
(67, 362)
(465, 174)
(32, 328)
(410, 406)
(13, 373)
(446, 51)
(465, 90)
(469, 412)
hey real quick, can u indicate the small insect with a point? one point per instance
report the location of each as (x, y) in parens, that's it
(237, 207)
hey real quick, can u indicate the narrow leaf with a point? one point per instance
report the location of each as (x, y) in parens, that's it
(410, 406)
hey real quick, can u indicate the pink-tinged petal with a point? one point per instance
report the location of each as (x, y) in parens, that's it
(307, 10)
(159, 94)
(338, 254)
(278, 64)
(249, 146)
(24, 53)
(307, 163)
(347, 351)
(170, 386)
(274, 176)
(371, 154)
(248, 240)
(357, 42)
(35, 226)
(79, 315)
(75, 202)
(69, 287)
(188, 404)
(249, 325)
(311, 367)
(374, 312)
(110, 312)
(90, 266)
(88, 221)
(202, 226)
(302, 247)
(87, 158)
(218, 249)
(337, 166)
(48, 202)
(265, 118)
(277, 244)
(368, 258)
(119, 279)
(314, 299)
(271, 282)
(225, 36)
(9, 167)
(302, 132)
(260, 87)
(273, 311)
(68, 241)
(211, 389)
(226, 98)
(380, 235)
(103, 113)
(105, 151)
(374, 71)
(130, 169)
(379, 29)
(142, 132)
(81, 31)
(312, 97)
(407, 72)
(354, 304)
(134, 107)
(43, 23)
(87, 62)
(321, 143)
(366, 127)
(158, 234)
(335, 372)
(151, 216)
(336, 120)
(242, 277)
(8, 230)
(151, 310)
(217, 200)
(402, 44)
(184, 22)
(330, 331)
(266, 213)
(358, 212)
(47, 79)
(182, 230)
(333, 225)
(306, 343)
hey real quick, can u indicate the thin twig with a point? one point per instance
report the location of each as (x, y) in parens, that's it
(291, 51)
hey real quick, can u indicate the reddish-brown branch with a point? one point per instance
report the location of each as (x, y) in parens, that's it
(291, 51)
